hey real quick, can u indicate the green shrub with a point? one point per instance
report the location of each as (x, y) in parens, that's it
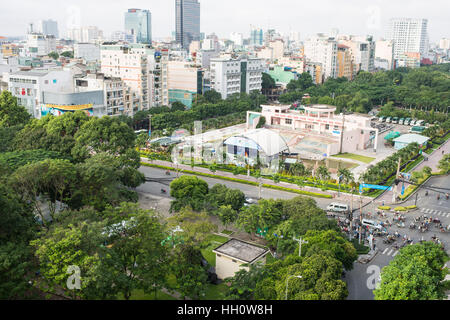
(384, 208)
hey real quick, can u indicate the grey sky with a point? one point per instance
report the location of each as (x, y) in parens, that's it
(224, 17)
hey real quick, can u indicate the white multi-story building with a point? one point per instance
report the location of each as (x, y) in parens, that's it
(384, 54)
(230, 76)
(85, 34)
(90, 52)
(237, 38)
(409, 35)
(113, 88)
(28, 87)
(130, 63)
(39, 45)
(322, 49)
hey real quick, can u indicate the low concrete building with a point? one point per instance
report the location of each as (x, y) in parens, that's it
(406, 139)
(232, 255)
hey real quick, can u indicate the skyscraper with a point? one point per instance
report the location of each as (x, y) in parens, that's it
(256, 37)
(409, 35)
(187, 20)
(139, 24)
(49, 28)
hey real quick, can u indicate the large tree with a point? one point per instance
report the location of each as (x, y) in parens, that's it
(11, 114)
(188, 191)
(416, 273)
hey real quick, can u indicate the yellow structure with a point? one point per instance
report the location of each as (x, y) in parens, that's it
(345, 62)
(232, 255)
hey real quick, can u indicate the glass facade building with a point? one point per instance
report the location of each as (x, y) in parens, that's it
(139, 24)
(187, 20)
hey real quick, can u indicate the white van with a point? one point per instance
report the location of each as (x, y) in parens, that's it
(372, 224)
(338, 207)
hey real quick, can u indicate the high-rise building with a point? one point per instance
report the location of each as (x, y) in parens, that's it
(49, 28)
(139, 24)
(187, 20)
(323, 50)
(130, 63)
(256, 37)
(409, 35)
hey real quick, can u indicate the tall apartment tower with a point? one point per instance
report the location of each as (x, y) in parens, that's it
(187, 21)
(409, 35)
(139, 24)
(49, 28)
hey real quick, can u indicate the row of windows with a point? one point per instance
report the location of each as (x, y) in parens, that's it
(17, 80)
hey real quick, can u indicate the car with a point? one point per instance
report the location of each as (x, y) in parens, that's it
(382, 119)
(250, 201)
(388, 120)
(338, 207)
(413, 122)
(395, 120)
(401, 121)
(407, 121)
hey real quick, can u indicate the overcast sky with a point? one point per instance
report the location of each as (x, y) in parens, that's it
(224, 17)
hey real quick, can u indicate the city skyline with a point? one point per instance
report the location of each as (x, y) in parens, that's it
(350, 17)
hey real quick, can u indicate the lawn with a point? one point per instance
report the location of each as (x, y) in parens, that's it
(209, 245)
(354, 157)
(215, 292)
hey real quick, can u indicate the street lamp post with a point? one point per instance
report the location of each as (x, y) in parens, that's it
(287, 283)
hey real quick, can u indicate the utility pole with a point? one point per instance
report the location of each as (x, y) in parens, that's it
(300, 241)
(394, 195)
(150, 126)
(360, 219)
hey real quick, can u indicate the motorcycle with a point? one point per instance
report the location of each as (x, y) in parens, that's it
(163, 191)
(412, 226)
(167, 173)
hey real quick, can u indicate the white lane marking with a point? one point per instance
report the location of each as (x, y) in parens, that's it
(385, 250)
(422, 210)
(389, 253)
(396, 252)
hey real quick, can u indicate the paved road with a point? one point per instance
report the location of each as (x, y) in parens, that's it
(357, 278)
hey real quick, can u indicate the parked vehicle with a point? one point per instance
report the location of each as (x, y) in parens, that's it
(401, 121)
(382, 119)
(388, 120)
(395, 120)
(407, 121)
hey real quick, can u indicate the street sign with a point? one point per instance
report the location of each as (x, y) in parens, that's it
(373, 186)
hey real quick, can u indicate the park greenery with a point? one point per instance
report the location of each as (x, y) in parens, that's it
(416, 273)
(423, 89)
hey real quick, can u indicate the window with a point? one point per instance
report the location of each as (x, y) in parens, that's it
(288, 121)
(327, 127)
(234, 261)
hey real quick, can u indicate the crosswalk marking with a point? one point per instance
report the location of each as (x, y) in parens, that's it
(396, 252)
(389, 253)
(385, 250)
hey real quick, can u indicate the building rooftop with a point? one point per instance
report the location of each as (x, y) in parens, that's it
(263, 139)
(241, 250)
(411, 138)
(35, 73)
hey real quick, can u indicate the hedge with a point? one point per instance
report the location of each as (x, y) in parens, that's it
(384, 208)
(269, 186)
